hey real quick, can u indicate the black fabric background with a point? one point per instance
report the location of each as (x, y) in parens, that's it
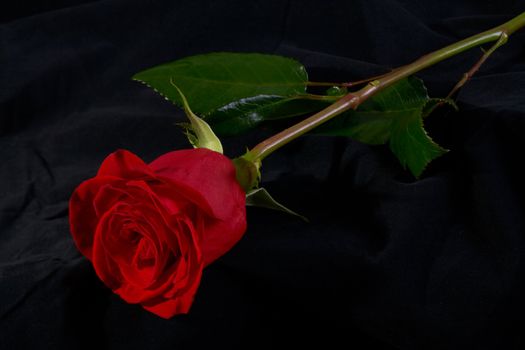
(399, 264)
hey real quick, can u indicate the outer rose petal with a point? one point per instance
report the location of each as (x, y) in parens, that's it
(107, 269)
(180, 305)
(213, 176)
(170, 307)
(83, 218)
(124, 164)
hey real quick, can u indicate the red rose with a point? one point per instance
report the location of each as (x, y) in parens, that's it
(150, 229)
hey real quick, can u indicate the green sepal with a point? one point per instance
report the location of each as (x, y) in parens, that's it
(248, 171)
(198, 131)
(259, 197)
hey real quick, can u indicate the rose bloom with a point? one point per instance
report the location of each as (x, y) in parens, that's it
(150, 229)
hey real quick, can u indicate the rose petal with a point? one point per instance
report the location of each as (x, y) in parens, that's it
(188, 263)
(180, 277)
(134, 294)
(83, 217)
(124, 164)
(107, 270)
(208, 172)
(213, 176)
(126, 244)
(220, 236)
(181, 304)
(107, 195)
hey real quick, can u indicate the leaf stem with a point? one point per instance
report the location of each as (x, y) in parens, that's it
(347, 84)
(323, 83)
(354, 99)
(320, 97)
(466, 77)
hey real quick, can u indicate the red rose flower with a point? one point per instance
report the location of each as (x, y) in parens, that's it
(150, 229)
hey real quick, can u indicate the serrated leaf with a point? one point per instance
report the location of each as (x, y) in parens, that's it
(259, 197)
(434, 103)
(411, 144)
(247, 113)
(198, 131)
(370, 127)
(395, 116)
(371, 123)
(214, 80)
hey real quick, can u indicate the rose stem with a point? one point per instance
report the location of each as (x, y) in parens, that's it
(349, 84)
(466, 77)
(354, 99)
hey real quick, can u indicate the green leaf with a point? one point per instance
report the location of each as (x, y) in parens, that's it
(371, 123)
(395, 115)
(411, 144)
(245, 114)
(198, 131)
(261, 198)
(214, 80)
(434, 103)
(370, 127)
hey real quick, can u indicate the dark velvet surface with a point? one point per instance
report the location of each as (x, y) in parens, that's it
(386, 262)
